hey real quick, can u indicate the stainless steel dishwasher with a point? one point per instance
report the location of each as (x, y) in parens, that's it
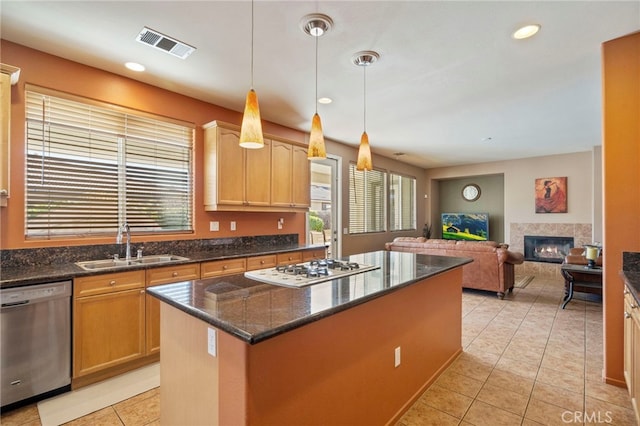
(35, 342)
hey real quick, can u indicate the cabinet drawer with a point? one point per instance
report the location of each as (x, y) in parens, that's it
(218, 268)
(108, 283)
(314, 254)
(261, 262)
(289, 258)
(170, 274)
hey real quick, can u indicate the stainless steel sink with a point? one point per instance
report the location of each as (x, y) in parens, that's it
(92, 265)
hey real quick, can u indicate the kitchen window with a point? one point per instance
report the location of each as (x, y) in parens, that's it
(367, 200)
(91, 166)
(402, 202)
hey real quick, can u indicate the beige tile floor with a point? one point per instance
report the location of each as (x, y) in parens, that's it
(525, 362)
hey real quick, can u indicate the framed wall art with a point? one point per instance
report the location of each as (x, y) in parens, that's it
(551, 195)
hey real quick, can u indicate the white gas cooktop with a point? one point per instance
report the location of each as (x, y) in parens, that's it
(308, 273)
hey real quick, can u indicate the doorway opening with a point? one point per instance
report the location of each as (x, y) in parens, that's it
(324, 215)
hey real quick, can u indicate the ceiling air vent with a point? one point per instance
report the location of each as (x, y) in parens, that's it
(165, 43)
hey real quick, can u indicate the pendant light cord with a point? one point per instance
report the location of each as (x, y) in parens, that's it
(316, 99)
(364, 70)
(252, 44)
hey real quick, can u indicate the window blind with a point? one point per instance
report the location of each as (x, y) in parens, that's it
(402, 205)
(91, 167)
(367, 200)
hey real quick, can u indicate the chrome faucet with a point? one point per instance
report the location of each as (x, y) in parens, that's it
(125, 228)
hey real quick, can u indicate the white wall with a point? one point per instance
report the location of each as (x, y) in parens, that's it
(519, 194)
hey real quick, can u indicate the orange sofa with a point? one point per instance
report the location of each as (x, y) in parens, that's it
(492, 268)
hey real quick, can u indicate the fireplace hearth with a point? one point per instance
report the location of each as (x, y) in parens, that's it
(540, 248)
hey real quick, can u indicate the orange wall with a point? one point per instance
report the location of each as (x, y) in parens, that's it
(62, 75)
(621, 166)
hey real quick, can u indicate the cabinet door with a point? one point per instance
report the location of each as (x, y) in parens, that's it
(258, 175)
(218, 268)
(108, 330)
(5, 109)
(628, 342)
(261, 262)
(225, 167)
(289, 258)
(281, 174)
(108, 283)
(314, 254)
(301, 185)
(158, 276)
(230, 168)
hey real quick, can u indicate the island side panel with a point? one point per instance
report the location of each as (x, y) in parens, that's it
(340, 369)
(188, 374)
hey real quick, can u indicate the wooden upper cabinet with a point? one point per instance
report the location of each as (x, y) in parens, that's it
(281, 173)
(257, 175)
(301, 184)
(9, 75)
(223, 168)
(264, 179)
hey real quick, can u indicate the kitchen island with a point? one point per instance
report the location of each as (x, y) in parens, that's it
(353, 350)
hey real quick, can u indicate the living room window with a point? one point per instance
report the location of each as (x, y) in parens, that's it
(402, 202)
(367, 200)
(91, 166)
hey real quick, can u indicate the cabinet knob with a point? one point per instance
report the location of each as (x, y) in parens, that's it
(224, 267)
(262, 262)
(112, 282)
(627, 315)
(174, 274)
(141, 291)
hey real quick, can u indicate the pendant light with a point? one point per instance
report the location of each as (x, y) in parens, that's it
(364, 59)
(316, 25)
(251, 128)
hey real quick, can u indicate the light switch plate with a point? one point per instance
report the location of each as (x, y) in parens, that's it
(233, 225)
(212, 344)
(214, 225)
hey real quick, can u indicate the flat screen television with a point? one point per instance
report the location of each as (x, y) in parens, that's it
(465, 226)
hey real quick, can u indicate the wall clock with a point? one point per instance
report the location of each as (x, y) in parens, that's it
(471, 192)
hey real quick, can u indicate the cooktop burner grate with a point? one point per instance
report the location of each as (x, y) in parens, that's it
(313, 272)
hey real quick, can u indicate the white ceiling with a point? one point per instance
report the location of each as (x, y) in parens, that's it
(449, 75)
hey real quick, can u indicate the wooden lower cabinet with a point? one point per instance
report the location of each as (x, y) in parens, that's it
(219, 268)
(314, 254)
(632, 351)
(289, 258)
(108, 321)
(116, 325)
(261, 262)
(159, 276)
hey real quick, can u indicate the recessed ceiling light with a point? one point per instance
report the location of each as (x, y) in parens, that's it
(325, 100)
(134, 66)
(526, 31)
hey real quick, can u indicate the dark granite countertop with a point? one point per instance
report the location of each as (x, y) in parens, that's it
(37, 274)
(253, 311)
(631, 273)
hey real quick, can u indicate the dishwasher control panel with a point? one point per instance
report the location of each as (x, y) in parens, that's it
(34, 293)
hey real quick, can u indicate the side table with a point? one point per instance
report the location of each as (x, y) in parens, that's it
(582, 276)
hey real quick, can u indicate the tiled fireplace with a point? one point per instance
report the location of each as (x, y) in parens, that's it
(581, 233)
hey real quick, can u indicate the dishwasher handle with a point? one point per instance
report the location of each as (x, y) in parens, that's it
(15, 304)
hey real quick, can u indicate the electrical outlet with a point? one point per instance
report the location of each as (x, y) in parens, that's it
(212, 344)
(214, 226)
(233, 225)
(397, 357)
